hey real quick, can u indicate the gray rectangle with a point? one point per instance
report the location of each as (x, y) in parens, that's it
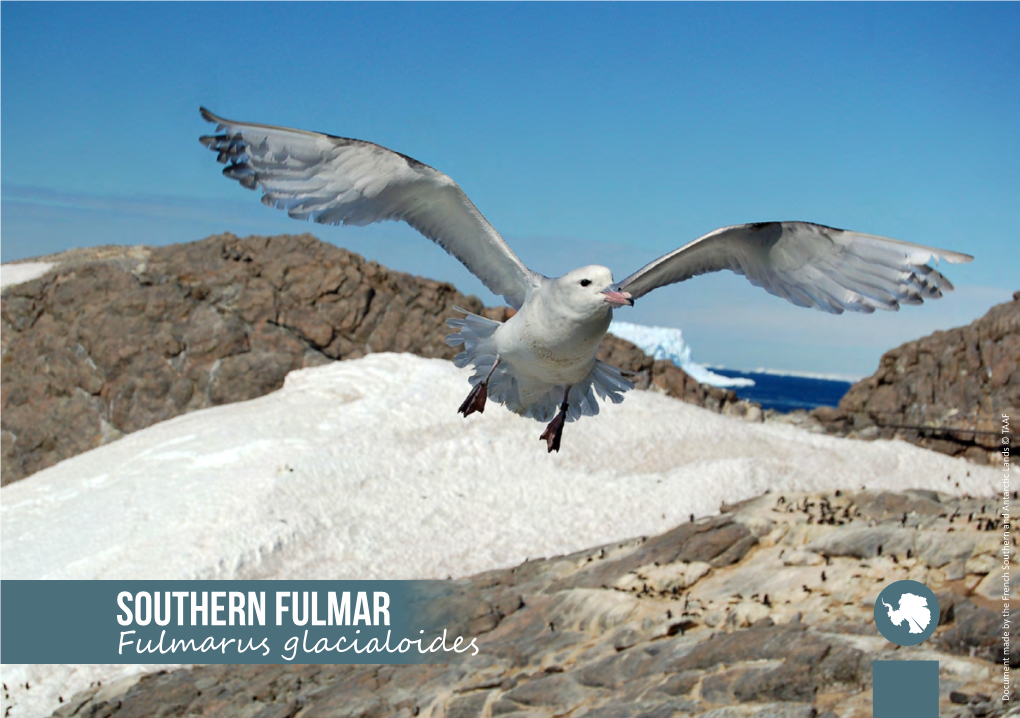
(906, 689)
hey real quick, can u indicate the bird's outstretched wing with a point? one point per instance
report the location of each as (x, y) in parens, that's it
(336, 180)
(809, 264)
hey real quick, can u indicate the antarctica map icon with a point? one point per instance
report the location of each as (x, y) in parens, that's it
(906, 612)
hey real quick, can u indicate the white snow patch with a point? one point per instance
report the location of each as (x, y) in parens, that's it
(11, 274)
(363, 469)
(668, 343)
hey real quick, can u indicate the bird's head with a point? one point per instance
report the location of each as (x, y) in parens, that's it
(589, 291)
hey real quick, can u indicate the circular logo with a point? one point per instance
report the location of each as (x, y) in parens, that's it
(906, 612)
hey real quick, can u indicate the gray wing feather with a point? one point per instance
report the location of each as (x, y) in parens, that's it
(337, 180)
(808, 264)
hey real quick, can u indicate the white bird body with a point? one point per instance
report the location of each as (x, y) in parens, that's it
(546, 348)
(544, 357)
(557, 332)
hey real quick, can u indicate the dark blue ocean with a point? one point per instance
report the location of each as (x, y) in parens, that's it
(787, 393)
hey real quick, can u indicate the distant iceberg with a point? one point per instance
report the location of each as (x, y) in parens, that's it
(668, 343)
(825, 376)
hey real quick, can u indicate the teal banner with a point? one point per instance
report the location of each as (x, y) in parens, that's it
(235, 622)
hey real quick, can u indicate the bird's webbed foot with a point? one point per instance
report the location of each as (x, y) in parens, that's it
(554, 431)
(476, 399)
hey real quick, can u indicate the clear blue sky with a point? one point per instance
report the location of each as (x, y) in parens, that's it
(586, 133)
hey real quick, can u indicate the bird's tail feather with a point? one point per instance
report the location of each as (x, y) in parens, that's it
(472, 329)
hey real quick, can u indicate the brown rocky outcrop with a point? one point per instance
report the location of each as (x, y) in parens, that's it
(661, 375)
(115, 339)
(765, 611)
(946, 392)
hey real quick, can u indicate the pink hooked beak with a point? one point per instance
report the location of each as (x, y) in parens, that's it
(618, 299)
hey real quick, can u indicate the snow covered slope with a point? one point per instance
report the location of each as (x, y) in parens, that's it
(667, 343)
(11, 274)
(363, 469)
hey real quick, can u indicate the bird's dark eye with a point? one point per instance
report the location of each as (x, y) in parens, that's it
(585, 282)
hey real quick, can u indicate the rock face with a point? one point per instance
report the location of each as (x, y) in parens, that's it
(116, 339)
(955, 384)
(765, 611)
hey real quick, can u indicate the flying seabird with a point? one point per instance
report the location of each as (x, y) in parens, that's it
(541, 362)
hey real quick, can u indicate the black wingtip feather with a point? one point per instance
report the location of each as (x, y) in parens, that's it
(243, 174)
(236, 171)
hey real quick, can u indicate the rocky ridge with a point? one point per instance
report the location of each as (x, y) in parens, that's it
(764, 611)
(946, 392)
(115, 339)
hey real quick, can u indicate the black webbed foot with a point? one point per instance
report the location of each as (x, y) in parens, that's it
(554, 432)
(475, 400)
